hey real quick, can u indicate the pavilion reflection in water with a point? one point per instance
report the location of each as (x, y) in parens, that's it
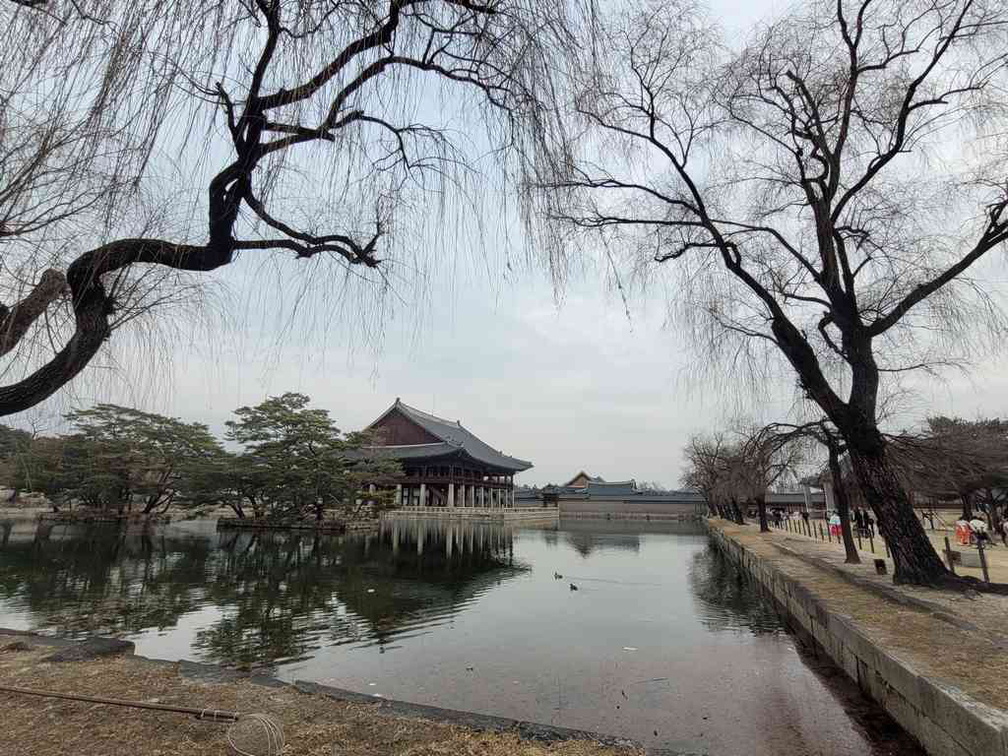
(254, 598)
(463, 542)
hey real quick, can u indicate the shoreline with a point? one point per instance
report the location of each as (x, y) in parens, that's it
(912, 651)
(302, 705)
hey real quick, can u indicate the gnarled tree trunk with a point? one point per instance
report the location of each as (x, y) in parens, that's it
(914, 558)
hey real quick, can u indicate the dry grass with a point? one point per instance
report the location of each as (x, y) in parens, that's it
(313, 725)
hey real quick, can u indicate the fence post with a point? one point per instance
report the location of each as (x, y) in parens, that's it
(821, 534)
(948, 556)
(983, 561)
(871, 544)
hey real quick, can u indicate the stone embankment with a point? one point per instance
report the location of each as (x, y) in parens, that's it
(937, 663)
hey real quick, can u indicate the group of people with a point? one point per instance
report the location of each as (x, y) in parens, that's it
(862, 521)
(976, 532)
(778, 516)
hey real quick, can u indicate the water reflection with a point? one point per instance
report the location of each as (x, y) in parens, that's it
(589, 535)
(726, 598)
(277, 596)
(664, 641)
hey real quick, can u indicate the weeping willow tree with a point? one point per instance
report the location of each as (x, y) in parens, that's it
(145, 143)
(824, 192)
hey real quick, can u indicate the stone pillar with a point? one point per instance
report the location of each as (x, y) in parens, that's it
(423, 494)
(451, 495)
(398, 495)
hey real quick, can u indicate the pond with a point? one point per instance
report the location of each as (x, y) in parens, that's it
(662, 641)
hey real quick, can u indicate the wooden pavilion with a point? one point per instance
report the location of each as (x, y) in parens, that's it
(444, 464)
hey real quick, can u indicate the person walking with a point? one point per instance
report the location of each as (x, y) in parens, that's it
(1004, 531)
(963, 531)
(859, 520)
(834, 525)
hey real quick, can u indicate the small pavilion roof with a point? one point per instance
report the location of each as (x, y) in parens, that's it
(585, 475)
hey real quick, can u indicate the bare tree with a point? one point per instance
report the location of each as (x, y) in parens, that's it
(708, 470)
(825, 192)
(956, 458)
(765, 457)
(316, 121)
(823, 433)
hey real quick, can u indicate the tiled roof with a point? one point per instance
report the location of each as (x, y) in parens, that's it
(413, 451)
(453, 437)
(615, 488)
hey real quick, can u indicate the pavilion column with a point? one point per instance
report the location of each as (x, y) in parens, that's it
(451, 495)
(398, 495)
(423, 494)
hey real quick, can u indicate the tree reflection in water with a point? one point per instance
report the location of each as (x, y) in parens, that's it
(726, 599)
(280, 595)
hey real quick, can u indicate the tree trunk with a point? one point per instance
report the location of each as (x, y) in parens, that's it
(914, 558)
(843, 507)
(737, 513)
(967, 507)
(764, 526)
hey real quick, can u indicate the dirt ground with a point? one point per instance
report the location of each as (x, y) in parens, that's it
(972, 655)
(312, 725)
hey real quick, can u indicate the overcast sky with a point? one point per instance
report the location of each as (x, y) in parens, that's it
(569, 381)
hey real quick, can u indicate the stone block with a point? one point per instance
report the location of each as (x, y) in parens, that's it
(864, 648)
(906, 714)
(977, 727)
(850, 663)
(937, 742)
(900, 676)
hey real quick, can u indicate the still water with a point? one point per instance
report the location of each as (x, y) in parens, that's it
(663, 641)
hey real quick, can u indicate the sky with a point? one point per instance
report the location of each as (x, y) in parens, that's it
(569, 385)
(570, 378)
